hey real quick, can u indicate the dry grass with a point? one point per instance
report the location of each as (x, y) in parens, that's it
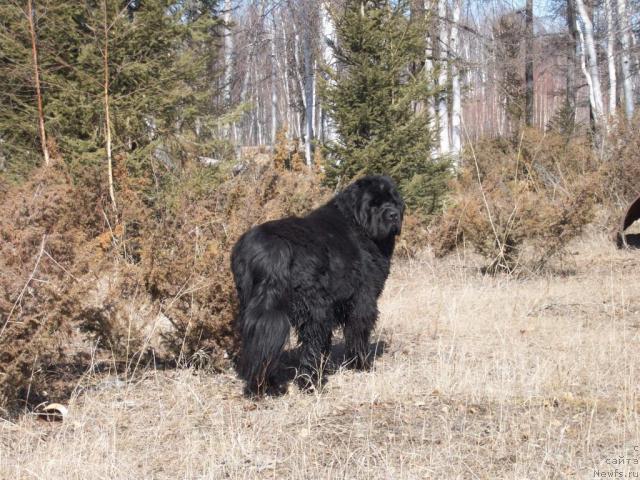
(482, 377)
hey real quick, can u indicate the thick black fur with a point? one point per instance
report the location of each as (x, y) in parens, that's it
(315, 273)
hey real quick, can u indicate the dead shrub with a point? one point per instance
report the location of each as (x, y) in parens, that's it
(39, 264)
(287, 155)
(622, 165)
(519, 204)
(187, 259)
(148, 283)
(414, 237)
(620, 172)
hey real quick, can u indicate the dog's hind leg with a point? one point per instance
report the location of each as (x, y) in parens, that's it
(315, 338)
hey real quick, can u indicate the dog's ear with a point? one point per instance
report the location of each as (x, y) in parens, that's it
(352, 203)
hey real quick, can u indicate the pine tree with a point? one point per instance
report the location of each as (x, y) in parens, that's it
(162, 72)
(18, 112)
(375, 95)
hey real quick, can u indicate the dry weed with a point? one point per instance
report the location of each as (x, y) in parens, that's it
(147, 284)
(481, 377)
(519, 205)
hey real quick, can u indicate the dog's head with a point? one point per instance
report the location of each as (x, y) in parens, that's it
(374, 203)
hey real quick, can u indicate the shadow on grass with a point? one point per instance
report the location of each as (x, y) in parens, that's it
(290, 361)
(82, 372)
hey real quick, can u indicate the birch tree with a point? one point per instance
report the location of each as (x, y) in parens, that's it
(228, 51)
(283, 62)
(274, 81)
(309, 87)
(429, 63)
(442, 106)
(571, 93)
(590, 69)
(456, 101)
(625, 59)
(328, 38)
(299, 78)
(528, 68)
(611, 59)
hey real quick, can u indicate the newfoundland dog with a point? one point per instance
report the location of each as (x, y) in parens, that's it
(315, 273)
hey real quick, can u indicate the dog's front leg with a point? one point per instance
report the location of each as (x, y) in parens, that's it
(357, 330)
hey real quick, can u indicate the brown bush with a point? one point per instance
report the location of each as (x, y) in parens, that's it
(39, 262)
(414, 236)
(620, 173)
(519, 205)
(150, 282)
(186, 260)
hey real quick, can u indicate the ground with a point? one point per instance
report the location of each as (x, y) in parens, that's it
(480, 377)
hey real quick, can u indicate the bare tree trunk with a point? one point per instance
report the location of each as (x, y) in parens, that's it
(107, 116)
(456, 101)
(287, 90)
(300, 81)
(571, 59)
(583, 66)
(591, 67)
(246, 133)
(309, 94)
(625, 59)
(431, 102)
(428, 69)
(274, 82)
(243, 96)
(528, 69)
(228, 52)
(327, 126)
(258, 113)
(36, 81)
(442, 107)
(228, 63)
(611, 59)
(418, 13)
(482, 78)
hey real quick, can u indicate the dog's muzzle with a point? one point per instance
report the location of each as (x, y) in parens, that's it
(394, 218)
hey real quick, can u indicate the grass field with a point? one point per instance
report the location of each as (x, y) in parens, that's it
(480, 378)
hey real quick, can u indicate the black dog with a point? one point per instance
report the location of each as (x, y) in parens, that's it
(314, 273)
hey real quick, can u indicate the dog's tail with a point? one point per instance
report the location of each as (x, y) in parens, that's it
(263, 322)
(265, 330)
